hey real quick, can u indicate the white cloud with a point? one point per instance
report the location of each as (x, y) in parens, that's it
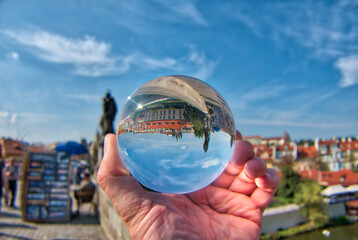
(38, 118)
(327, 29)
(3, 115)
(13, 118)
(89, 56)
(56, 48)
(152, 63)
(195, 63)
(185, 9)
(32, 126)
(8, 118)
(267, 91)
(84, 97)
(8, 123)
(204, 66)
(93, 58)
(14, 56)
(211, 162)
(348, 66)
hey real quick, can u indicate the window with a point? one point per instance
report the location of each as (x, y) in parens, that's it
(343, 178)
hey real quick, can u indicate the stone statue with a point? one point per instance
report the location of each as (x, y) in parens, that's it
(109, 112)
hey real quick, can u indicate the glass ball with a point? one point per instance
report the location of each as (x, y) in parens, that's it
(176, 134)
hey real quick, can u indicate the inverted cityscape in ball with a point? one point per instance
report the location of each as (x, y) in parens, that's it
(176, 134)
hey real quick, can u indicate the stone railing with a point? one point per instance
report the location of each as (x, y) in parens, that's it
(111, 221)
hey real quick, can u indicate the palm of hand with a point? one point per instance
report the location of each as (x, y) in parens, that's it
(229, 208)
(211, 213)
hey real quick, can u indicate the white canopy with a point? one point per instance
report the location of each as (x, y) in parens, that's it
(353, 188)
(334, 190)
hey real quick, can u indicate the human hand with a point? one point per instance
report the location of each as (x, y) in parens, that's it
(229, 208)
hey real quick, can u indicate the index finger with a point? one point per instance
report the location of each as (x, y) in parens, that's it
(243, 152)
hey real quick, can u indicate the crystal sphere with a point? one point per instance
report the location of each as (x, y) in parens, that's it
(176, 134)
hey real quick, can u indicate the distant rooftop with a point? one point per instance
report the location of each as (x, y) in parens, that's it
(339, 189)
(281, 209)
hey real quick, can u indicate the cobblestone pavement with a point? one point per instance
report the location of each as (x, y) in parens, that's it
(82, 227)
(85, 226)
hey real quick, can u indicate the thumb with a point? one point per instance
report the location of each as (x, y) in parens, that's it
(114, 178)
(111, 164)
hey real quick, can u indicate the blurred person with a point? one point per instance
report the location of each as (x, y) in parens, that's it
(11, 175)
(85, 191)
(229, 208)
(79, 170)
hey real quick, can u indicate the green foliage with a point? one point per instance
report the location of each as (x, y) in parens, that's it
(289, 183)
(341, 220)
(306, 227)
(195, 117)
(279, 201)
(310, 198)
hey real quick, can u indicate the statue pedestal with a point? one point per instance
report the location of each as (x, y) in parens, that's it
(99, 157)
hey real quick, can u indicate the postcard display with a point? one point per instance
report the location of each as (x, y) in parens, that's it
(46, 193)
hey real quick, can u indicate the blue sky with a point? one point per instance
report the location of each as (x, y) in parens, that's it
(281, 65)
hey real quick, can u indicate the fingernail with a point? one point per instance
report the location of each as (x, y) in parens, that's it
(105, 147)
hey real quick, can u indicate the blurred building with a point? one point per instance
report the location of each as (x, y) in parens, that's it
(273, 149)
(324, 154)
(12, 148)
(344, 177)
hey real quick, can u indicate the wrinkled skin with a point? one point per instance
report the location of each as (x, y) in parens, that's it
(229, 208)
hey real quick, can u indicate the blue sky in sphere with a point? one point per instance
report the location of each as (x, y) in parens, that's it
(165, 164)
(281, 65)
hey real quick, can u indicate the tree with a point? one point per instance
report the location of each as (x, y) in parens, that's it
(310, 198)
(289, 184)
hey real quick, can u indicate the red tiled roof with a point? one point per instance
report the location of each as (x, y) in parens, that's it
(312, 174)
(309, 152)
(329, 142)
(284, 147)
(345, 177)
(264, 152)
(345, 146)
